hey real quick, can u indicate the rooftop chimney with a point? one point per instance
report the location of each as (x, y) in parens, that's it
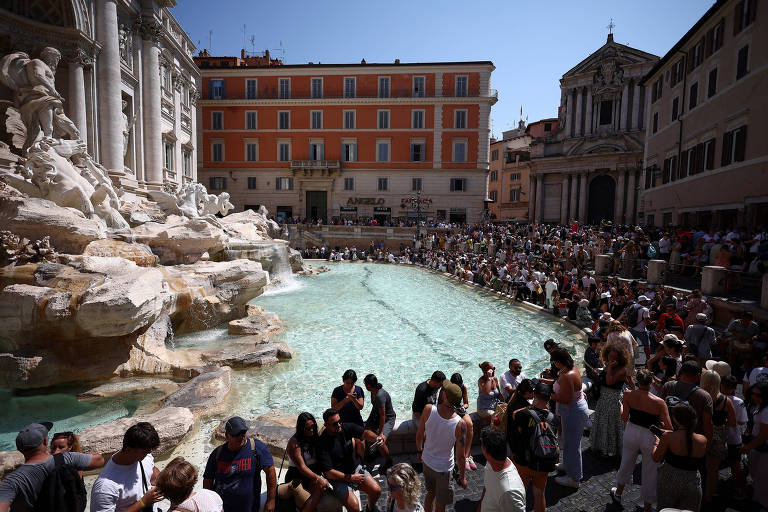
(242, 53)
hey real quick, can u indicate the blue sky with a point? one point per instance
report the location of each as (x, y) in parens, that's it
(531, 43)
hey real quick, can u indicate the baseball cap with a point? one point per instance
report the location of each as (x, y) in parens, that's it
(235, 426)
(452, 392)
(33, 435)
(643, 298)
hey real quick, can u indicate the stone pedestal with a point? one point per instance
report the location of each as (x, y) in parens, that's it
(764, 296)
(657, 270)
(713, 280)
(602, 264)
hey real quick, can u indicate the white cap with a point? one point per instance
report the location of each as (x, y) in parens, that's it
(605, 295)
(643, 298)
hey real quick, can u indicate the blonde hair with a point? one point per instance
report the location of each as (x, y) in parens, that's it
(405, 477)
(616, 326)
(710, 382)
(177, 480)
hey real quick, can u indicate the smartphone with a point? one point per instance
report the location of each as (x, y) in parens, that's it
(656, 430)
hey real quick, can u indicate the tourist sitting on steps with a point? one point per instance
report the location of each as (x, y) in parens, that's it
(349, 399)
(426, 393)
(381, 420)
(304, 477)
(176, 483)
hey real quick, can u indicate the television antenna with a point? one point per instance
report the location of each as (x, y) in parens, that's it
(210, 39)
(243, 31)
(281, 51)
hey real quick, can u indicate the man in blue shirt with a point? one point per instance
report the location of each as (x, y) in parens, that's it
(233, 470)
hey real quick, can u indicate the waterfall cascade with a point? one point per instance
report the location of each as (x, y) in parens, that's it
(274, 258)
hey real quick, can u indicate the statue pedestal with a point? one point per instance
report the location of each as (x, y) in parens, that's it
(124, 180)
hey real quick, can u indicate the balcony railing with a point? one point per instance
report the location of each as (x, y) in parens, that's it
(315, 164)
(273, 95)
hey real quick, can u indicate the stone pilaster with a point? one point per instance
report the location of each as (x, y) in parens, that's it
(623, 124)
(568, 112)
(564, 200)
(618, 214)
(630, 219)
(572, 213)
(539, 197)
(579, 107)
(588, 122)
(583, 184)
(150, 30)
(109, 97)
(636, 108)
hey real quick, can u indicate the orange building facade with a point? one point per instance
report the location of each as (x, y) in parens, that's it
(329, 141)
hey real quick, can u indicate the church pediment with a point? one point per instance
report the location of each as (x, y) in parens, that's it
(618, 55)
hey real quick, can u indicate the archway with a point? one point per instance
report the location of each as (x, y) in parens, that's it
(59, 13)
(602, 197)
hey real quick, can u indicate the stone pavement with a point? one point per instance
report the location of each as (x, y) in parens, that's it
(592, 496)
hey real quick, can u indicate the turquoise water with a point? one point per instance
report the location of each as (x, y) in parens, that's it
(400, 323)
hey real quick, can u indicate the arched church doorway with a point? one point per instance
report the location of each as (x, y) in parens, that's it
(602, 198)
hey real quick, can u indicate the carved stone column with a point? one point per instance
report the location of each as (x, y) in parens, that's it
(193, 97)
(539, 196)
(624, 125)
(149, 30)
(110, 99)
(564, 201)
(583, 184)
(577, 125)
(630, 219)
(78, 59)
(636, 108)
(618, 214)
(572, 213)
(568, 112)
(588, 122)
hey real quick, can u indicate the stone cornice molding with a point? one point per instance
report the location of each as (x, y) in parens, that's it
(321, 102)
(148, 28)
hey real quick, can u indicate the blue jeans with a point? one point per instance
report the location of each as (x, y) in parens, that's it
(573, 418)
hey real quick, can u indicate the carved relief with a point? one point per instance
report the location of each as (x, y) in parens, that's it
(126, 45)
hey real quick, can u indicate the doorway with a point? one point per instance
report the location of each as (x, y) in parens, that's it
(317, 205)
(602, 196)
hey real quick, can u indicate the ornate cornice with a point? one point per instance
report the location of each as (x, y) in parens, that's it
(148, 28)
(78, 55)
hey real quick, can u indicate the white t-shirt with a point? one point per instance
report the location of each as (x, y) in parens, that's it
(203, 501)
(507, 379)
(119, 487)
(734, 433)
(759, 419)
(504, 491)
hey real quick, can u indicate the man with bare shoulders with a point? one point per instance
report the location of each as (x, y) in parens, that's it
(440, 431)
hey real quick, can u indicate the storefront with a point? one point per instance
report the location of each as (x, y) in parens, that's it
(283, 212)
(348, 212)
(382, 214)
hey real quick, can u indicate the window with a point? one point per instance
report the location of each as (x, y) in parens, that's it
(383, 119)
(461, 86)
(696, 55)
(418, 87)
(382, 152)
(284, 184)
(678, 70)
(493, 195)
(744, 15)
(494, 155)
(514, 195)
(284, 151)
(709, 150)
(186, 158)
(417, 117)
(416, 184)
(349, 119)
(741, 62)
(418, 151)
(284, 88)
(217, 183)
(459, 151)
(734, 145)
(317, 119)
(675, 107)
(383, 87)
(217, 120)
(349, 152)
(251, 182)
(383, 184)
(655, 122)
(349, 183)
(350, 88)
(515, 176)
(547, 127)
(250, 120)
(717, 36)
(712, 83)
(217, 152)
(693, 98)
(251, 152)
(316, 151)
(494, 176)
(169, 150)
(606, 112)
(251, 89)
(460, 119)
(317, 87)
(656, 89)
(458, 184)
(284, 120)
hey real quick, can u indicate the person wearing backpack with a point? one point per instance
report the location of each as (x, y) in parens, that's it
(686, 389)
(234, 470)
(44, 477)
(534, 429)
(127, 482)
(637, 315)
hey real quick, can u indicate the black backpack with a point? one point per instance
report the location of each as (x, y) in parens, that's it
(543, 449)
(673, 400)
(633, 314)
(63, 489)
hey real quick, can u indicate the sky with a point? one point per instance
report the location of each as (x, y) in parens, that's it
(531, 43)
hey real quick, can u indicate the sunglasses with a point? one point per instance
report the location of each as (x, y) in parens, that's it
(335, 423)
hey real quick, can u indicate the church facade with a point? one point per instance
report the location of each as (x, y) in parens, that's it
(128, 80)
(590, 169)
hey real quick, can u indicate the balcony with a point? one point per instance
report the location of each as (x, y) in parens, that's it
(316, 168)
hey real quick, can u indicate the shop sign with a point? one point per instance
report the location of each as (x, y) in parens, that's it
(379, 209)
(365, 200)
(348, 209)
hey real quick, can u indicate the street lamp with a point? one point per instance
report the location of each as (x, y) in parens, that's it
(415, 202)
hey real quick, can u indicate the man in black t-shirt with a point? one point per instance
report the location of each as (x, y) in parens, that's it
(426, 393)
(528, 466)
(337, 462)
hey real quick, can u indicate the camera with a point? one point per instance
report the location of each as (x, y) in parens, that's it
(656, 430)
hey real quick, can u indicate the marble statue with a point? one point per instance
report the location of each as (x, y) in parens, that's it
(128, 122)
(55, 166)
(193, 200)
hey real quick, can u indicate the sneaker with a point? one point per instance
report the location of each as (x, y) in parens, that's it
(615, 497)
(567, 481)
(560, 466)
(471, 463)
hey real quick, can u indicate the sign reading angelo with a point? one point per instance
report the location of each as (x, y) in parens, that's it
(365, 201)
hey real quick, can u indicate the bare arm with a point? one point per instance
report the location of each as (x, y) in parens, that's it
(625, 409)
(660, 448)
(461, 440)
(271, 475)
(420, 431)
(97, 461)
(731, 412)
(666, 421)
(5, 506)
(294, 452)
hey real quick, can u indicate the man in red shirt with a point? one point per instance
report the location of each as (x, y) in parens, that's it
(668, 320)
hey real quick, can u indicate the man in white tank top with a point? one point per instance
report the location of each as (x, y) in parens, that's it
(440, 430)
